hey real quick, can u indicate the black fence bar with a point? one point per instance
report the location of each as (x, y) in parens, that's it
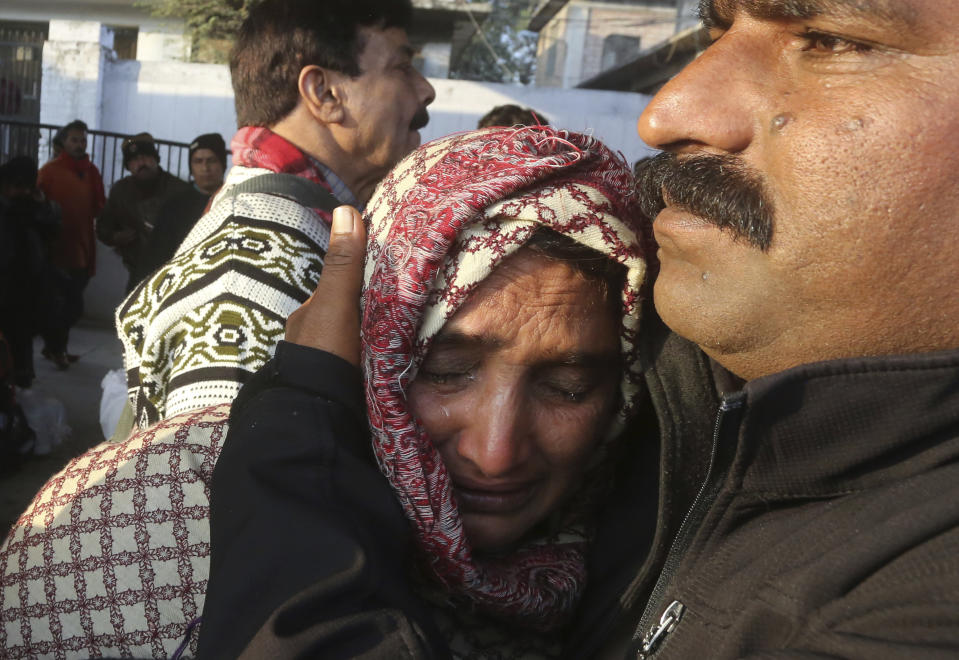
(19, 138)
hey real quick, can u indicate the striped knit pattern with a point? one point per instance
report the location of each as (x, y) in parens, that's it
(196, 329)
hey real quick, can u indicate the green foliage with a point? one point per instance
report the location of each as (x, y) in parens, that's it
(508, 52)
(211, 24)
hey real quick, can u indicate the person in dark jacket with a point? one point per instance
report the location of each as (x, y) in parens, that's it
(805, 208)
(181, 211)
(29, 291)
(131, 211)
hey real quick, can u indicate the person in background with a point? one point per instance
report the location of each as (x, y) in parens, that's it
(181, 211)
(74, 182)
(28, 291)
(512, 115)
(327, 100)
(57, 144)
(130, 214)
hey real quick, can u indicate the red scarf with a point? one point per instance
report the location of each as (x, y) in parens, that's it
(86, 170)
(258, 146)
(438, 224)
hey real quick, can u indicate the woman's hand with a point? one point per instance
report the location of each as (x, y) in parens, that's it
(330, 319)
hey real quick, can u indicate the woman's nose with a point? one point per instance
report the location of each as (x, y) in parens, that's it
(497, 440)
(707, 104)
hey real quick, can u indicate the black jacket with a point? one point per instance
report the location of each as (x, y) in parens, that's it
(174, 221)
(829, 525)
(309, 548)
(134, 205)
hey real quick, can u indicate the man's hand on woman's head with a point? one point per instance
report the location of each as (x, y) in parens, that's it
(330, 319)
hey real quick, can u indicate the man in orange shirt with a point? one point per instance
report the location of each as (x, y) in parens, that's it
(74, 183)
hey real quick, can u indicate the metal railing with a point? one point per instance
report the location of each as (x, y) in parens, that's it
(19, 138)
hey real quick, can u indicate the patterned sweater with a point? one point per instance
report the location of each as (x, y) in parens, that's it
(199, 326)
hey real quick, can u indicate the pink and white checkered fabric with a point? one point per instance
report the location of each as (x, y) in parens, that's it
(112, 556)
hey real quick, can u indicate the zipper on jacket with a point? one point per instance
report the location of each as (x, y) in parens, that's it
(655, 633)
(667, 623)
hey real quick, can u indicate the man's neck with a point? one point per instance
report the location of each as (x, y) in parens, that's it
(319, 143)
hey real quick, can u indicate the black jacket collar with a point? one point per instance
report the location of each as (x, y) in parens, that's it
(841, 426)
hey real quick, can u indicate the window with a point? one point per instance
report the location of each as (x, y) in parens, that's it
(125, 42)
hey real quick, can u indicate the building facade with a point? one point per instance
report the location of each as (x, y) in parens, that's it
(579, 39)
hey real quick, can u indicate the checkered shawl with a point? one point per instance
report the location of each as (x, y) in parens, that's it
(112, 557)
(438, 224)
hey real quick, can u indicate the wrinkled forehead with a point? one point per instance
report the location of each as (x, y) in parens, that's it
(901, 13)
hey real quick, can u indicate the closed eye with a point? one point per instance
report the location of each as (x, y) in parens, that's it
(446, 377)
(568, 394)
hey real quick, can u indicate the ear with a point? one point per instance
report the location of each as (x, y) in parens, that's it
(321, 94)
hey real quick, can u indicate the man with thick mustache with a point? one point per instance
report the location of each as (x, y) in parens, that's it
(327, 96)
(127, 220)
(805, 208)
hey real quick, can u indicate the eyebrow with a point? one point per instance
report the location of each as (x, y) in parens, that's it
(455, 339)
(719, 13)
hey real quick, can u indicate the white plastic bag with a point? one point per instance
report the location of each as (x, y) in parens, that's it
(47, 417)
(114, 386)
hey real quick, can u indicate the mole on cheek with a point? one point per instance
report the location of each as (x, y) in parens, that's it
(780, 121)
(854, 124)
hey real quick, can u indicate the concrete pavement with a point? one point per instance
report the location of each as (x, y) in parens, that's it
(79, 389)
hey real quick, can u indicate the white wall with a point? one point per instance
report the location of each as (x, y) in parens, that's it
(609, 116)
(159, 38)
(161, 43)
(172, 100)
(74, 61)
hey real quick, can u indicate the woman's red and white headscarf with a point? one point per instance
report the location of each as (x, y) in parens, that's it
(438, 224)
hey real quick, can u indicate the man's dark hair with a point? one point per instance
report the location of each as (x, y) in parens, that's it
(19, 171)
(280, 37)
(75, 125)
(512, 115)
